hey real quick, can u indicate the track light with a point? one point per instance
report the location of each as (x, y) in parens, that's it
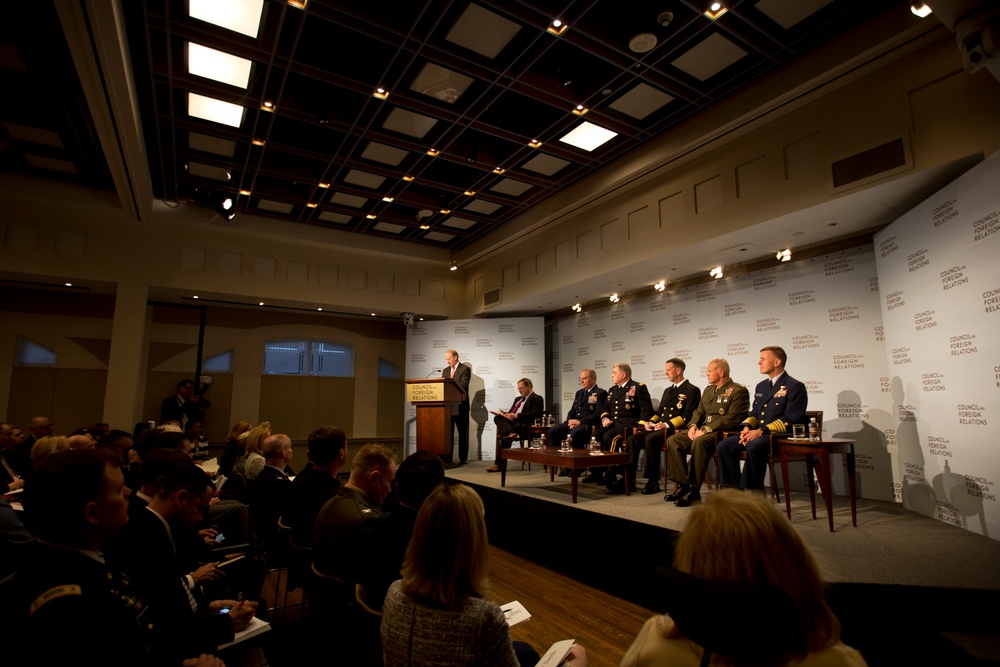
(454, 265)
(660, 286)
(784, 255)
(716, 272)
(577, 308)
(920, 9)
(615, 298)
(220, 202)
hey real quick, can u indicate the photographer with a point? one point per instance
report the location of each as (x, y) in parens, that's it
(185, 406)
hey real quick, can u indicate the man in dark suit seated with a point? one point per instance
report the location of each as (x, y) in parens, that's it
(271, 490)
(67, 605)
(146, 551)
(525, 409)
(779, 401)
(317, 482)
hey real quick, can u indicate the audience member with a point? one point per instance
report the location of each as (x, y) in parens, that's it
(437, 615)
(676, 407)
(147, 551)
(723, 406)
(525, 409)
(271, 490)
(10, 480)
(346, 520)
(47, 446)
(317, 483)
(779, 401)
(68, 606)
(234, 447)
(737, 551)
(252, 461)
(418, 475)
(183, 406)
(15, 448)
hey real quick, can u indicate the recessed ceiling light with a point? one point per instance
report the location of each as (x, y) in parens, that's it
(715, 10)
(580, 110)
(614, 298)
(387, 199)
(319, 309)
(498, 170)
(381, 93)
(407, 178)
(218, 66)
(245, 193)
(534, 143)
(69, 284)
(660, 286)
(425, 226)
(373, 314)
(557, 27)
(446, 211)
(784, 255)
(370, 216)
(261, 303)
(323, 185)
(242, 16)
(433, 152)
(268, 105)
(298, 4)
(920, 9)
(310, 205)
(716, 272)
(258, 142)
(194, 296)
(588, 136)
(217, 111)
(470, 193)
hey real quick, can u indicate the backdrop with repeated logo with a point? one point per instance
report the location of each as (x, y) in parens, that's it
(824, 312)
(500, 352)
(940, 289)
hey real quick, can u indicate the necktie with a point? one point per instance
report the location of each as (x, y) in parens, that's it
(517, 405)
(453, 371)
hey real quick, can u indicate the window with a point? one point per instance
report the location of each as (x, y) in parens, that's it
(30, 353)
(388, 370)
(219, 363)
(308, 357)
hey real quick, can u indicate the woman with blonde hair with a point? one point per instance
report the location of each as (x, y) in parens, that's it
(738, 551)
(46, 447)
(252, 461)
(437, 615)
(234, 447)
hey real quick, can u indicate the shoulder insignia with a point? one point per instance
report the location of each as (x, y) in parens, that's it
(54, 594)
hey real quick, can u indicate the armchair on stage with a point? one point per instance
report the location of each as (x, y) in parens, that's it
(436, 400)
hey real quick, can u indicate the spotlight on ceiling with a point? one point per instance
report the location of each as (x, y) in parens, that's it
(577, 308)
(784, 255)
(716, 272)
(660, 286)
(715, 10)
(454, 265)
(615, 298)
(920, 9)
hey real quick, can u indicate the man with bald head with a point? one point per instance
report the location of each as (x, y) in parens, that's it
(271, 490)
(724, 405)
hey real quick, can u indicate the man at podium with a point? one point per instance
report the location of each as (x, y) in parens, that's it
(461, 374)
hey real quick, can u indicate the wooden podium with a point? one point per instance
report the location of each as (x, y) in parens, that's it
(436, 400)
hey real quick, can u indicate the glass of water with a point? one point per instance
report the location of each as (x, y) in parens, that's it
(798, 431)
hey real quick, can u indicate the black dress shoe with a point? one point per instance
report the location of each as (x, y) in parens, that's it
(678, 494)
(619, 487)
(689, 499)
(651, 488)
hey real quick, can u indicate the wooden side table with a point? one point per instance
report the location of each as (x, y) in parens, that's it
(817, 456)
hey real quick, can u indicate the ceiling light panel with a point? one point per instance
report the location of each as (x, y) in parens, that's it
(209, 171)
(364, 179)
(438, 236)
(588, 136)
(482, 31)
(207, 144)
(218, 66)
(409, 123)
(545, 164)
(389, 227)
(440, 83)
(345, 199)
(483, 207)
(217, 111)
(787, 13)
(337, 218)
(714, 54)
(459, 223)
(242, 16)
(385, 154)
(509, 186)
(641, 101)
(274, 206)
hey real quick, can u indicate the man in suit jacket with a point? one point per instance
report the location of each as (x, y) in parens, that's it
(779, 401)
(271, 490)
(146, 550)
(676, 407)
(724, 405)
(584, 413)
(317, 482)
(462, 374)
(182, 407)
(628, 404)
(525, 409)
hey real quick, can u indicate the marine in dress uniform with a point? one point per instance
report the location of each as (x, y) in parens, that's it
(724, 405)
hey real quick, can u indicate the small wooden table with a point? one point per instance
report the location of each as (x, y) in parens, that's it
(575, 459)
(811, 449)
